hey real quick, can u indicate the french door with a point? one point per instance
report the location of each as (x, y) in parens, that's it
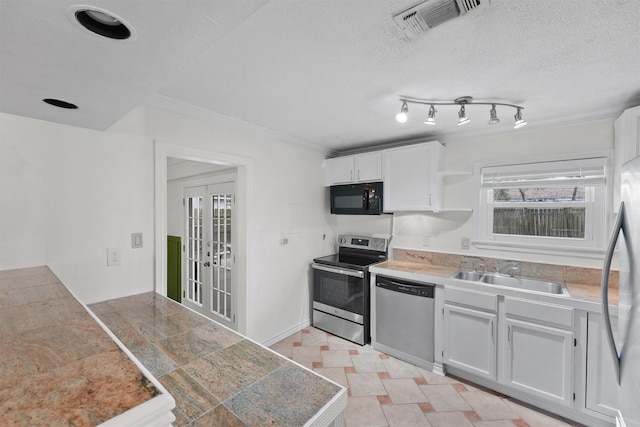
(208, 283)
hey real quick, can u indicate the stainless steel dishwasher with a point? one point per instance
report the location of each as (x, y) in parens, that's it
(404, 316)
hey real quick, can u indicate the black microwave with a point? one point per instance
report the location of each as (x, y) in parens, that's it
(356, 199)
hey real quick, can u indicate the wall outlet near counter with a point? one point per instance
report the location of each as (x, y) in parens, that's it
(113, 257)
(465, 242)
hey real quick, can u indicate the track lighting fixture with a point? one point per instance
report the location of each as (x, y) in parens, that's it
(431, 120)
(520, 122)
(493, 115)
(462, 113)
(402, 115)
(462, 116)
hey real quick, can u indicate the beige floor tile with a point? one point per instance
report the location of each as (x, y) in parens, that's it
(448, 419)
(435, 378)
(499, 423)
(488, 406)
(405, 415)
(368, 363)
(336, 358)
(334, 374)
(534, 418)
(307, 354)
(314, 339)
(404, 390)
(336, 343)
(283, 348)
(366, 384)
(364, 411)
(400, 369)
(444, 398)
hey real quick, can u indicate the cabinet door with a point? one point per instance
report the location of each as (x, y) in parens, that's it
(538, 361)
(410, 177)
(368, 167)
(602, 388)
(470, 340)
(338, 170)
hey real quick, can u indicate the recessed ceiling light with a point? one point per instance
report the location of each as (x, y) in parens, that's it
(60, 103)
(103, 23)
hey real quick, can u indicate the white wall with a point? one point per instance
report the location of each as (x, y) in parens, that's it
(84, 191)
(445, 230)
(288, 200)
(22, 193)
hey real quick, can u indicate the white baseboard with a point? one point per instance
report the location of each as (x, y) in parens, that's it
(288, 332)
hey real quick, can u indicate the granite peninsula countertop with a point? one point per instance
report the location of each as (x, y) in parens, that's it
(58, 367)
(217, 376)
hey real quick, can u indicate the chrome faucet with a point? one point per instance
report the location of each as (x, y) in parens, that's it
(477, 265)
(510, 268)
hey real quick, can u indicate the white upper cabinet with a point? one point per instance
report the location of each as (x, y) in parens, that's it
(411, 178)
(365, 167)
(627, 146)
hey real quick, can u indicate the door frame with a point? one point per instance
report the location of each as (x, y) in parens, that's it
(244, 197)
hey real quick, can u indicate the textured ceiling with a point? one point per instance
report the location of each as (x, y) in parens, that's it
(327, 73)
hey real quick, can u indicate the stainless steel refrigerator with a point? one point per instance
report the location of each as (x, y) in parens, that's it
(626, 351)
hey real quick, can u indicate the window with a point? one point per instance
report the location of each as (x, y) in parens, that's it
(553, 206)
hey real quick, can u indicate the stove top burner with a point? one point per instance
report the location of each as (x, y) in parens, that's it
(356, 253)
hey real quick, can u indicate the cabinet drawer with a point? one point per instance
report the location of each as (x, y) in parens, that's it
(549, 314)
(475, 299)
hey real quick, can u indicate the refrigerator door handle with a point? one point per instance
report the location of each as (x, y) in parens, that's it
(604, 288)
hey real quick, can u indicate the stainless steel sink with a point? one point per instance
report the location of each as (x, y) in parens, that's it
(516, 282)
(471, 275)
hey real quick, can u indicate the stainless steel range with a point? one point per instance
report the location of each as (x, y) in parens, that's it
(341, 287)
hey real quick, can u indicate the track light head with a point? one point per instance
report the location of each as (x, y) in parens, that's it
(493, 115)
(431, 117)
(402, 115)
(520, 122)
(462, 116)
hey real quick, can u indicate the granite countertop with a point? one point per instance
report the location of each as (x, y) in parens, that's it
(577, 291)
(58, 367)
(217, 376)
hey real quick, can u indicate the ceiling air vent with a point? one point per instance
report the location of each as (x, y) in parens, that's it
(432, 13)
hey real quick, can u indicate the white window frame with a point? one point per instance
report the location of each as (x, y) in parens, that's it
(596, 214)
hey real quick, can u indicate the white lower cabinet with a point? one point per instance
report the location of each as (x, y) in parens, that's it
(470, 341)
(538, 360)
(601, 386)
(470, 329)
(538, 349)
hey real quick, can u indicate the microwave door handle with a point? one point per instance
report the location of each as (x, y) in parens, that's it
(365, 200)
(618, 228)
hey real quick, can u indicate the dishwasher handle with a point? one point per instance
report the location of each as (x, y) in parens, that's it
(417, 289)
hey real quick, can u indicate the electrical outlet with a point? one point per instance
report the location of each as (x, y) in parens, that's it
(113, 256)
(464, 243)
(426, 241)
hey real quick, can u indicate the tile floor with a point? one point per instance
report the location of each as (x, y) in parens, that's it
(385, 391)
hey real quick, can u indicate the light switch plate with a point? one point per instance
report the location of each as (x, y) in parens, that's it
(136, 240)
(113, 257)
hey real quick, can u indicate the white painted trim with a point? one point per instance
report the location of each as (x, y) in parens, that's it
(292, 330)
(244, 204)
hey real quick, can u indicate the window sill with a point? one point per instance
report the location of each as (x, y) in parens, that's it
(540, 249)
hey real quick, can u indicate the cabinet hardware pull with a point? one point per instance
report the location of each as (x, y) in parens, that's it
(509, 334)
(492, 330)
(358, 174)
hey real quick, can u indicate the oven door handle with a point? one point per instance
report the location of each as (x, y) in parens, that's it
(353, 273)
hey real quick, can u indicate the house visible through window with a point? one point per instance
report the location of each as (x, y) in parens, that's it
(545, 206)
